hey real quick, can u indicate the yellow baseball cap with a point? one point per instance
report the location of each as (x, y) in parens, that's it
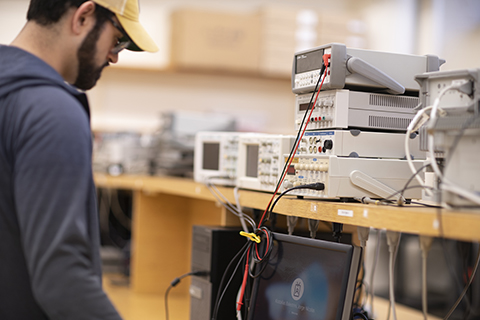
(127, 13)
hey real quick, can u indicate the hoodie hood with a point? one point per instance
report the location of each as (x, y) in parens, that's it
(20, 69)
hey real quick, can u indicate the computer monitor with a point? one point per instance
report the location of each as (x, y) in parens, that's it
(306, 279)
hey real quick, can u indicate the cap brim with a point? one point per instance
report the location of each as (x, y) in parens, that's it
(139, 36)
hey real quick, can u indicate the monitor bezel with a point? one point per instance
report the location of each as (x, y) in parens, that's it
(351, 272)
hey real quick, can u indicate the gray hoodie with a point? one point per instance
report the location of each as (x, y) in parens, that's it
(49, 236)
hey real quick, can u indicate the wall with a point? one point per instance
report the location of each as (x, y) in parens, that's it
(12, 18)
(131, 99)
(259, 104)
(451, 27)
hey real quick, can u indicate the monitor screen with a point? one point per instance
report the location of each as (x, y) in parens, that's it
(309, 61)
(252, 161)
(303, 106)
(306, 279)
(211, 156)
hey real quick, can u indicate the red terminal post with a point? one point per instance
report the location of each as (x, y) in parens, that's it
(326, 58)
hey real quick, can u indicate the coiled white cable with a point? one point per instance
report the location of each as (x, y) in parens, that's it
(446, 184)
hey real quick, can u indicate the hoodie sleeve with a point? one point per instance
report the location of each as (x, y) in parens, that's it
(55, 202)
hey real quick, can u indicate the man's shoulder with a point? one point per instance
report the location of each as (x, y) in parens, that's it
(49, 98)
(50, 111)
(47, 92)
(37, 81)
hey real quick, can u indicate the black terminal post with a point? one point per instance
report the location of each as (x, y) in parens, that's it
(327, 145)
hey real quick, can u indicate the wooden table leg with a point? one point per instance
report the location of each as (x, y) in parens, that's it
(161, 238)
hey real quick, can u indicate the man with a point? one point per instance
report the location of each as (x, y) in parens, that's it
(49, 235)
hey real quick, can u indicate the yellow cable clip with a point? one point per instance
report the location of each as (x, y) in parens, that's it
(251, 236)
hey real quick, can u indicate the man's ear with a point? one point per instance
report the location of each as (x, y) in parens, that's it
(84, 18)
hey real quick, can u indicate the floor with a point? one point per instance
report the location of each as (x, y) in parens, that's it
(135, 306)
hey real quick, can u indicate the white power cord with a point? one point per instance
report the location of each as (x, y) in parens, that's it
(449, 186)
(363, 233)
(419, 119)
(291, 223)
(236, 194)
(230, 207)
(372, 273)
(425, 244)
(433, 118)
(393, 238)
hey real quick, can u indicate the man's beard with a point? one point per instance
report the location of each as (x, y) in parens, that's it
(88, 72)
